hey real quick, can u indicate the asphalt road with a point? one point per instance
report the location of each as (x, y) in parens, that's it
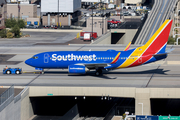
(160, 74)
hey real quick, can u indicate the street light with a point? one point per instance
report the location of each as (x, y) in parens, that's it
(92, 7)
(142, 107)
(173, 32)
(174, 35)
(177, 40)
(58, 14)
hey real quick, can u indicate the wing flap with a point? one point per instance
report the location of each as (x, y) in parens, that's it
(94, 65)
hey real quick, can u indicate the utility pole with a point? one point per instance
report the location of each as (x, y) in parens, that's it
(92, 26)
(58, 14)
(18, 10)
(102, 15)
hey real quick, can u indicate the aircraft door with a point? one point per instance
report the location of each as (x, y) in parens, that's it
(46, 58)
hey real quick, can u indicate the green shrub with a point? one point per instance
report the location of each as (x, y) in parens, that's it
(16, 31)
(21, 24)
(9, 34)
(171, 40)
(3, 33)
(10, 23)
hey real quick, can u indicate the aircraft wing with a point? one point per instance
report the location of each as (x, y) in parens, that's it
(94, 65)
(100, 65)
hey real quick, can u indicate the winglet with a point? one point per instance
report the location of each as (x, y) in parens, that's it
(128, 46)
(116, 58)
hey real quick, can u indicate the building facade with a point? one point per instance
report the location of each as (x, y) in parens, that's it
(26, 11)
(60, 6)
(60, 12)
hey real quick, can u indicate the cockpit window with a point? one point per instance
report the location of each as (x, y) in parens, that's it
(35, 57)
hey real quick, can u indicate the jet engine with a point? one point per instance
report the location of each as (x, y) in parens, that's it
(78, 69)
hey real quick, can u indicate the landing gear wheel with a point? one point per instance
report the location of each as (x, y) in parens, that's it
(8, 72)
(17, 72)
(98, 72)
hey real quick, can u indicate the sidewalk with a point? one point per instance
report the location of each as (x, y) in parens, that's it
(50, 30)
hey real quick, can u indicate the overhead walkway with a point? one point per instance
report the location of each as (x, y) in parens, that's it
(162, 10)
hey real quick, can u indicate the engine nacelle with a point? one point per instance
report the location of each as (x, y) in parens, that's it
(78, 69)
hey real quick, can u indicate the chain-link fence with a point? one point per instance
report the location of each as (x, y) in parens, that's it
(5, 95)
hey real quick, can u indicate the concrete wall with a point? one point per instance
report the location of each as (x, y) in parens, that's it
(32, 20)
(141, 95)
(105, 39)
(135, 1)
(7, 113)
(98, 24)
(54, 19)
(71, 114)
(17, 108)
(26, 10)
(26, 107)
(127, 37)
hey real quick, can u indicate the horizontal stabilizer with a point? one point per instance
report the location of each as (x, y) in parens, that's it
(167, 52)
(162, 54)
(170, 50)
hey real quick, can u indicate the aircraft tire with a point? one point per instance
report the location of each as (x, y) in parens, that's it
(98, 72)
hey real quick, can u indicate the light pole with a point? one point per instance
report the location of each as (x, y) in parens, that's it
(177, 40)
(142, 107)
(173, 32)
(174, 35)
(92, 26)
(92, 7)
(58, 14)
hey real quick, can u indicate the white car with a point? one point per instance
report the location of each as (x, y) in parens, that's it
(31, 26)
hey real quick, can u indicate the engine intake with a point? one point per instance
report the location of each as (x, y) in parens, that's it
(78, 69)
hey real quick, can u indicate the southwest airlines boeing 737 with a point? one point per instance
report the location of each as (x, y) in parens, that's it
(82, 61)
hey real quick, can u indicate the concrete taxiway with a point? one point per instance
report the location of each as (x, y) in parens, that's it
(163, 74)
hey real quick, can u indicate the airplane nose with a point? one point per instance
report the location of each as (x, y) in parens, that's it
(28, 61)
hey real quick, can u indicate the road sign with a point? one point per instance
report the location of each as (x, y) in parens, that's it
(146, 117)
(169, 118)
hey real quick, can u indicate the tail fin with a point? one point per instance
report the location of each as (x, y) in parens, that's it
(158, 42)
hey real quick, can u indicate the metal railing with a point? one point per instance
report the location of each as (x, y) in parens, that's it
(7, 94)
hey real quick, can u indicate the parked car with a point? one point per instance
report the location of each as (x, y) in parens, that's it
(54, 26)
(114, 21)
(46, 26)
(31, 26)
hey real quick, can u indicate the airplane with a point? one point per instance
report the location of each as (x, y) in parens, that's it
(79, 62)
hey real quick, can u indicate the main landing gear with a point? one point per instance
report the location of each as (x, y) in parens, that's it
(98, 72)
